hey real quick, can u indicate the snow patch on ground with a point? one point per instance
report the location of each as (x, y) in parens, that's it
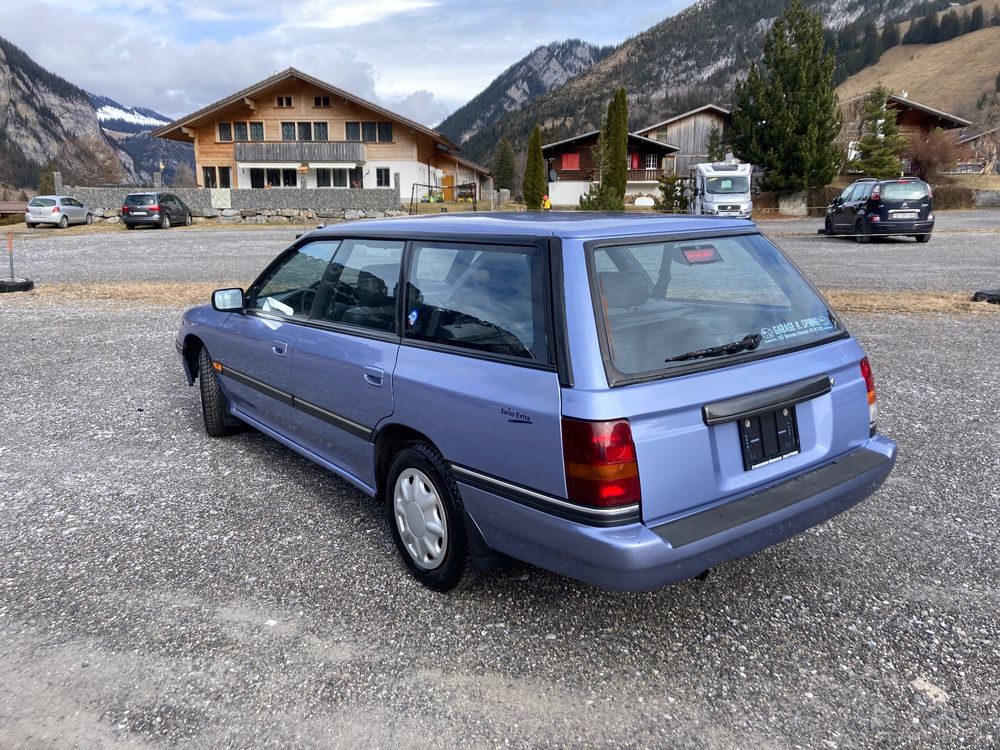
(108, 112)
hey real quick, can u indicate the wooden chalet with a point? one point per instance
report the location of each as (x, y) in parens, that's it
(292, 131)
(689, 131)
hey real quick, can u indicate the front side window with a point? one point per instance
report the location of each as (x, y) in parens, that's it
(483, 298)
(289, 288)
(360, 287)
(668, 305)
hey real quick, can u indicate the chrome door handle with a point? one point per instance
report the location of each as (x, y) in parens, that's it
(374, 376)
(278, 348)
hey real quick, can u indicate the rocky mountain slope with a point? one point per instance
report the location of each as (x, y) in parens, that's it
(687, 60)
(544, 69)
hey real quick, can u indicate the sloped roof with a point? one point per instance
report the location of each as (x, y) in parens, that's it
(173, 129)
(675, 118)
(663, 146)
(953, 121)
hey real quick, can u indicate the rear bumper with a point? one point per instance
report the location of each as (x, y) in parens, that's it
(901, 227)
(154, 219)
(635, 557)
(45, 219)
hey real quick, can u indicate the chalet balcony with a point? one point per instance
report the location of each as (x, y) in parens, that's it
(644, 175)
(301, 151)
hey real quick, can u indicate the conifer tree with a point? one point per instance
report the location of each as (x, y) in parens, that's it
(871, 45)
(978, 18)
(881, 143)
(614, 151)
(503, 165)
(715, 147)
(785, 117)
(535, 184)
(890, 36)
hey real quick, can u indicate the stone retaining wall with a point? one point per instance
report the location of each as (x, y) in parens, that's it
(986, 198)
(263, 206)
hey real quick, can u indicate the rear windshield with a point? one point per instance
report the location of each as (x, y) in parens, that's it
(667, 305)
(904, 191)
(140, 200)
(725, 185)
(42, 202)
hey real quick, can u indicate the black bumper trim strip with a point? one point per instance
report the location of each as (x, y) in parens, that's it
(547, 503)
(764, 401)
(751, 507)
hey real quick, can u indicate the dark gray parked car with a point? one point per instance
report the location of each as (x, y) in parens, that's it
(156, 209)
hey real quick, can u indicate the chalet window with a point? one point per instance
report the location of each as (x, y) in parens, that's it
(323, 178)
(357, 177)
(208, 173)
(305, 131)
(571, 161)
(257, 177)
(288, 131)
(283, 101)
(273, 177)
(240, 131)
(321, 101)
(385, 132)
(353, 131)
(652, 161)
(382, 177)
(289, 177)
(225, 180)
(320, 131)
(256, 131)
(340, 178)
(225, 131)
(369, 133)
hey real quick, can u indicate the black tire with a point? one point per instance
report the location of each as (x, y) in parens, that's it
(16, 285)
(89, 220)
(828, 227)
(31, 226)
(63, 222)
(862, 233)
(924, 237)
(188, 220)
(165, 222)
(214, 406)
(455, 570)
(129, 226)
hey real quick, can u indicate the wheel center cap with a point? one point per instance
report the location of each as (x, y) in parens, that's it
(415, 519)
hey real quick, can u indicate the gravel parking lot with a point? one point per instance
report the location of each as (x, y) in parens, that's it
(163, 588)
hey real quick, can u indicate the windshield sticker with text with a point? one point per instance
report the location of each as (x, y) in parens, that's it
(796, 328)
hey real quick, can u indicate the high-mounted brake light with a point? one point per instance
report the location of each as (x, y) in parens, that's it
(869, 376)
(600, 460)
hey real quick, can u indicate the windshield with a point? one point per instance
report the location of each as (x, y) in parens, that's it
(904, 191)
(723, 185)
(670, 301)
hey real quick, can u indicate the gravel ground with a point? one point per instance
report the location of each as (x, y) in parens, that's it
(951, 261)
(162, 588)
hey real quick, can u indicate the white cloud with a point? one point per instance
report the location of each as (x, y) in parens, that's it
(339, 14)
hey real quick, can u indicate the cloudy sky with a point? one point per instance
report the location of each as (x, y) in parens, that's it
(423, 58)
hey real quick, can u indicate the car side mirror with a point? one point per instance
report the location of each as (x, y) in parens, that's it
(228, 300)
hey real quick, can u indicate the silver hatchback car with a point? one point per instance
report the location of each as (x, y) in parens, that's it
(61, 210)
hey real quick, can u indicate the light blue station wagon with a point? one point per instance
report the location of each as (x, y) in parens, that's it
(627, 400)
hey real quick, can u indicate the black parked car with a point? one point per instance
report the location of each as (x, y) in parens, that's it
(883, 207)
(157, 209)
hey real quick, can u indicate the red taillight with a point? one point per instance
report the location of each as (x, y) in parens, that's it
(124, 209)
(930, 192)
(56, 210)
(601, 467)
(27, 209)
(154, 208)
(869, 376)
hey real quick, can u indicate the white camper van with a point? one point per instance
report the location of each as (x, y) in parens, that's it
(722, 189)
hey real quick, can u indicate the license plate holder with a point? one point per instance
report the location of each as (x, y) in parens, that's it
(904, 215)
(139, 213)
(768, 437)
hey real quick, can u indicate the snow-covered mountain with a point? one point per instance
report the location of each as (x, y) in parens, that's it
(118, 118)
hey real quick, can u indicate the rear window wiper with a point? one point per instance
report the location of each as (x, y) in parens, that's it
(748, 343)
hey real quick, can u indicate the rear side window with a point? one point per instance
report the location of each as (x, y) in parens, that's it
(140, 200)
(290, 287)
(667, 305)
(483, 298)
(904, 191)
(39, 202)
(360, 286)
